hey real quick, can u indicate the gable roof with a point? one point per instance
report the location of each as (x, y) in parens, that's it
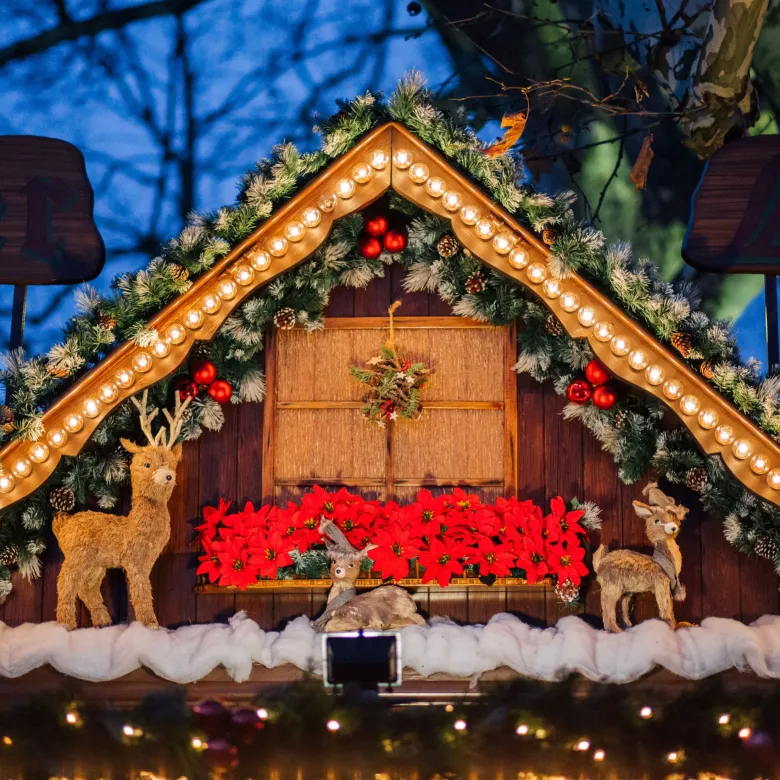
(391, 156)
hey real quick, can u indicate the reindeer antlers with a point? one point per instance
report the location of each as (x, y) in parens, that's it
(174, 423)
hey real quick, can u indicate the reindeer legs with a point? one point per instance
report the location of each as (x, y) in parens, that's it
(625, 609)
(67, 583)
(141, 596)
(89, 593)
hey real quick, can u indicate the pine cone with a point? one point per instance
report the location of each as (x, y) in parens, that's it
(106, 321)
(621, 417)
(682, 343)
(6, 419)
(284, 319)
(201, 350)
(696, 479)
(8, 556)
(568, 593)
(475, 283)
(62, 499)
(549, 236)
(448, 246)
(553, 326)
(178, 272)
(766, 547)
(707, 369)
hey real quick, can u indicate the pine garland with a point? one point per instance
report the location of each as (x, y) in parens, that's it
(101, 323)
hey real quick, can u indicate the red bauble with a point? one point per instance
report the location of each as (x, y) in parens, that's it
(395, 240)
(220, 390)
(377, 225)
(186, 388)
(578, 391)
(204, 372)
(597, 373)
(369, 247)
(604, 397)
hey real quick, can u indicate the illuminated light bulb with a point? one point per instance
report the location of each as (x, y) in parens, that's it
(22, 468)
(582, 745)
(724, 434)
(742, 449)
(451, 201)
(379, 160)
(673, 757)
(332, 725)
(570, 302)
(73, 423)
(759, 464)
(744, 733)
(654, 375)
(361, 173)
(521, 730)
(469, 215)
(724, 719)
(646, 713)
(108, 392)
(599, 755)
(672, 389)
(345, 188)
(211, 303)
(619, 345)
(277, 246)
(637, 360)
(518, 258)
(124, 377)
(449, 708)
(39, 452)
(262, 713)
(227, 289)
(194, 319)
(260, 259)
(708, 419)
(419, 173)
(435, 187)
(198, 743)
(7, 740)
(485, 229)
(175, 333)
(503, 243)
(91, 408)
(128, 730)
(690, 405)
(552, 288)
(540, 734)
(773, 479)
(244, 275)
(142, 362)
(460, 725)
(327, 203)
(295, 231)
(7, 482)
(71, 718)
(402, 159)
(586, 316)
(161, 348)
(536, 273)
(604, 331)
(57, 438)
(311, 217)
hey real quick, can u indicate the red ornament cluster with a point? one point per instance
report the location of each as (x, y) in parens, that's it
(203, 374)
(444, 534)
(379, 236)
(595, 387)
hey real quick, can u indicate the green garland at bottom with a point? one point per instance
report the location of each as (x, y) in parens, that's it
(527, 730)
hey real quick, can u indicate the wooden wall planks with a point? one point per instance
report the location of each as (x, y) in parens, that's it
(554, 457)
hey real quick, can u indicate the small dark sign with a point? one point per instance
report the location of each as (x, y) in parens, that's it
(47, 232)
(735, 215)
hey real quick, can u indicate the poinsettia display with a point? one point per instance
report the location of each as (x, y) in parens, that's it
(452, 535)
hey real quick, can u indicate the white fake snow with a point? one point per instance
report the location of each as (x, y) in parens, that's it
(189, 653)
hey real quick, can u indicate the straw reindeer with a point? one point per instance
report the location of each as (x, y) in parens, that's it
(385, 607)
(95, 541)
(623, 573)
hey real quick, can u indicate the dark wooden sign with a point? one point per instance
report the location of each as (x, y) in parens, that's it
(47, 232)
(735, 217)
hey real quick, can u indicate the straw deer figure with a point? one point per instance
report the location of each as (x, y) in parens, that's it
(623, 573)
(95, 541)
(385, 607)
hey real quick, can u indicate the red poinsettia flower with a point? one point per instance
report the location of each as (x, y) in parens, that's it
(288, 523)
(212, 516)
(395, 548)
(532, 558)
(258, 519)
(569, 521)
(210, 564)
(235, 565)
(442, 561)
(567, 563)
(269, 552)
(426, 515)
(492, 558)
